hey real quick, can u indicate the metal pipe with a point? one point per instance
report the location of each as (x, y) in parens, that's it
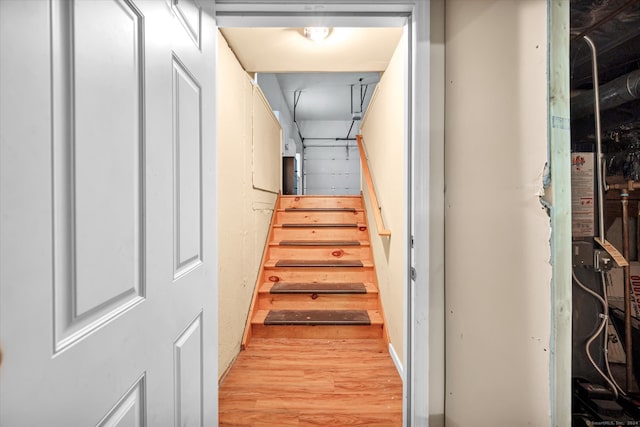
(618, 91)
(350, 127)
(296, 99)
(600, 182)
(596, 100)
(351, 91)
(629, 186)
(624, 196)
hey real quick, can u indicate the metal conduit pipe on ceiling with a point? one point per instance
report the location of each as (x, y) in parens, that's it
(616, 92)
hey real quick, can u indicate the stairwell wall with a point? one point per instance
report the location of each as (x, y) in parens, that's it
(244, 212)
(383, 129)
(270, 86)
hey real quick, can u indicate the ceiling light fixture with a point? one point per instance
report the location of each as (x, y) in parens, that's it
(317, 34)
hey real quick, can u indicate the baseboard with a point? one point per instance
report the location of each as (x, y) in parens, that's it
(228, 369)
(396, 361)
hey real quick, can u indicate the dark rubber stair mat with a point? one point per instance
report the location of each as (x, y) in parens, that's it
(319, 225)
(318, 288)
(319, 243)
(320, 210)
(317, 317)
(320, 263)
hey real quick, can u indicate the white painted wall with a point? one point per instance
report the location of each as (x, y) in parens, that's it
(273, 92)
(383, 129)
(266, 145)
(497, 233)
(244, 213)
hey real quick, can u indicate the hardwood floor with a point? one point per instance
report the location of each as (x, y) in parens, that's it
(312, 382)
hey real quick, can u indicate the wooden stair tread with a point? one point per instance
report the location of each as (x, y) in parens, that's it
(318, 263)
(317, 225)
(375, 316)
(319, 243)
(326, 209)
(317, 317)
(265, 287)
(318, 288)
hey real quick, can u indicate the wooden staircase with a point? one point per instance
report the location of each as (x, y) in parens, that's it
(317, 278)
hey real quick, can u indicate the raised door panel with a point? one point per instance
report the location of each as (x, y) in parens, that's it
(188, 359)
(130, 410)
(98, 164)
(189, 14)
(187, 134)
(108, 147)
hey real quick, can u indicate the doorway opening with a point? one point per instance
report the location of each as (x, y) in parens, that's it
(415, 223)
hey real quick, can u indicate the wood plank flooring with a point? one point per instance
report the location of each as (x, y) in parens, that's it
(312, 382)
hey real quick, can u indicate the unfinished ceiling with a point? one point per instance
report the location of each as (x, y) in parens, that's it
(614, 27)
(327, 96)
(287, 50)
(617, 40)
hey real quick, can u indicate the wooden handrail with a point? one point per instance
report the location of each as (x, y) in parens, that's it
(382, 231)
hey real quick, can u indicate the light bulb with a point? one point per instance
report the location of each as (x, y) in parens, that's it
(317, 34)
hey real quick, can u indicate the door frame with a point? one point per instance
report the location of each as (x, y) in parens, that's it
(423, 365)
(558, 181)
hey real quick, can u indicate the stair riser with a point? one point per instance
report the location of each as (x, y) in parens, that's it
(320, 202)
(319, 234)
(320, 253)
(320, 217)
(323, 332)
(321, 302)
(305, 274)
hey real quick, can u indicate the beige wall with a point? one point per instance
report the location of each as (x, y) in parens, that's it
(497, 234)
(384, 139)
(244, 213)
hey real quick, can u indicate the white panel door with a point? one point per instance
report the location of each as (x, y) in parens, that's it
(107, 199)
(331, 170)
